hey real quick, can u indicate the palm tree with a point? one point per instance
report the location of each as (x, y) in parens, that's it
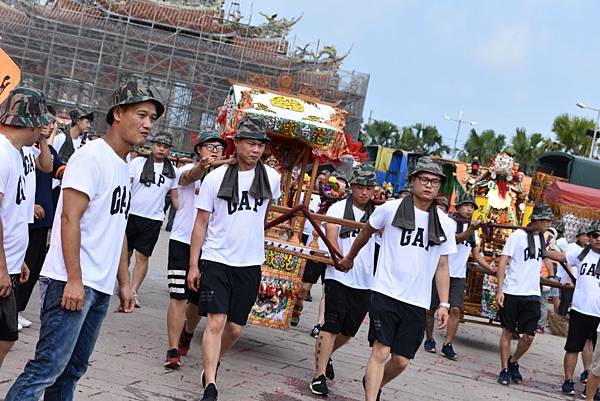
(548, 145)
(571, 133)
(526, 149)
(485, 146)
(382, 133)
(428, 140)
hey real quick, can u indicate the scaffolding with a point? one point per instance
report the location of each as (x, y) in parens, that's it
(78, 52)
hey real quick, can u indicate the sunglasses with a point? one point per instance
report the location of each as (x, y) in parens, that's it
(595, 235)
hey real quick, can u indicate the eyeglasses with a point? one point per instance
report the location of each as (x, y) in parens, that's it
(595, 235)
(212, 147)
(435, 182)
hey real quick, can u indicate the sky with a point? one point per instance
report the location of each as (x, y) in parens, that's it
(505, 64)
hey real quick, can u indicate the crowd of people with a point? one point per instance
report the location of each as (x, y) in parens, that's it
(101, 206)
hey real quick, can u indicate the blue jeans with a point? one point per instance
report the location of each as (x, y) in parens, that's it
(66, 342)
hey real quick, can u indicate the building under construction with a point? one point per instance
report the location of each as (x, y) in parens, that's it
(78, 52)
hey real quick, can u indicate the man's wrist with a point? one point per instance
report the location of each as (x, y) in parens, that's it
(444, 305)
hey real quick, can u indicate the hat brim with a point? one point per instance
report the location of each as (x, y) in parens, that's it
(426, 170)
(160, 109)
(466, 203)
(163, 143)
(364, 183)
(250, 136)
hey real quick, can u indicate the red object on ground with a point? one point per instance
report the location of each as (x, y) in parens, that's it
(562, 192)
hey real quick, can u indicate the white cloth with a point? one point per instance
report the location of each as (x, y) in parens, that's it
(13, 209)
(30, 155)
(407, 264)
(458, 261)
(361, 275)
(149, 200)
(97, 171)
(523, 271)
(235, 235)
(586, 297)
(183, 224)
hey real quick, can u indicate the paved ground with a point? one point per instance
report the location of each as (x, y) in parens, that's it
(272, 365)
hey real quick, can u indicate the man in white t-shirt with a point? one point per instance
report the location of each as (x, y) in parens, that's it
(346, 293)
(416, 240)
(23, 116)
(466, 244)
(229, 229)
(81, 122)
(518, 292)
(182, 321)
(87, 251)
(584, 316)
(151, 179)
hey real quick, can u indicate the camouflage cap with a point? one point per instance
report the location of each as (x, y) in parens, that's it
(364, 174)
(541, 212)
(162, 137)
(465, 198)
(77, 113)
(26, 107)
(252, 127)
(594, 227)
(133, 92)
(426, 164)
(208, 135)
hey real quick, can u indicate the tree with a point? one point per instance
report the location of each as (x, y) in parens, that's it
(422, 138)
(485, 146)
(571, 131)
(382, 133)
(526, 149)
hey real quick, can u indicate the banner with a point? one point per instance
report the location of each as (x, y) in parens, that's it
(10, 75)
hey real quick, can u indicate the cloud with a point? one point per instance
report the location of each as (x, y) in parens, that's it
(507, 47)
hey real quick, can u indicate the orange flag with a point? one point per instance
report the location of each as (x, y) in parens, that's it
(10, 75)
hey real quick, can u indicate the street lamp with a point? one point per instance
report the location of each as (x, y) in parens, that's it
(459, 122)
(597, 110)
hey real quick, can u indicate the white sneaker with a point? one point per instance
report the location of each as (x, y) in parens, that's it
(19, 327)
(137, 300)
(24, 322)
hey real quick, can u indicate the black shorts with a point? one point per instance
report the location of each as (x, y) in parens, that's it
(229, 290)
(177, 270)
(456, 296)
(582, 327)
(396, 324)
(520, 313)
(345, 308)
(142, 234)
(9, 320)
(312, 272)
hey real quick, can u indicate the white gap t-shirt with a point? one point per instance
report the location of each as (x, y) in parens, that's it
(97, 171)
(13, 211)
(586, 297)
(149, 201)
(30, 154)
(361, 275)
(458, 261)
(235, 235)
(407, 264)
(183, 224)
(523, 272)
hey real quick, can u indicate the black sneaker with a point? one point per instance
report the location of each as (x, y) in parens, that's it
(308, 297)
(319, 386)
(504, 377)
(173, 359)
(429, 345)
(315, 331)
(210, 393)
(364, 379)
(513, 369)
(448, 351)
(329, 372)
(583, 377)
(216, 373)
(568, 387)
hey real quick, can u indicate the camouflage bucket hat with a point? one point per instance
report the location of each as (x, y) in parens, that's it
(582, 230)
(426, 164)
(465, 199)
(251, 128)
(364, 175)
(408, 187)
(162, 137)
(594, 227)
(26, 107)
(208, 136)
(134, 92)
(78, 113)
(542, 212)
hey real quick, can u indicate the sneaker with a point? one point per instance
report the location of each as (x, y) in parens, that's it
(19, 327)
(216, 373)
(583, 377)
(137, 300)
(319, 386)
(308, 297)
(24, 322)
(504, 377)
(448, 351)
(173, 359)
(584, 394)
(315, 331)
(184, 342)
(329, 372)
(515, 375)
(210, 393)
(568, 387)
(540, 330)
(429, 345)
(364, 383)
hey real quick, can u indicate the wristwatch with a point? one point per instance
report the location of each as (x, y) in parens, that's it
(445, 305)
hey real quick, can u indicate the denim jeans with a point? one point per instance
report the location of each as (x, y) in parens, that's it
(66, 342)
